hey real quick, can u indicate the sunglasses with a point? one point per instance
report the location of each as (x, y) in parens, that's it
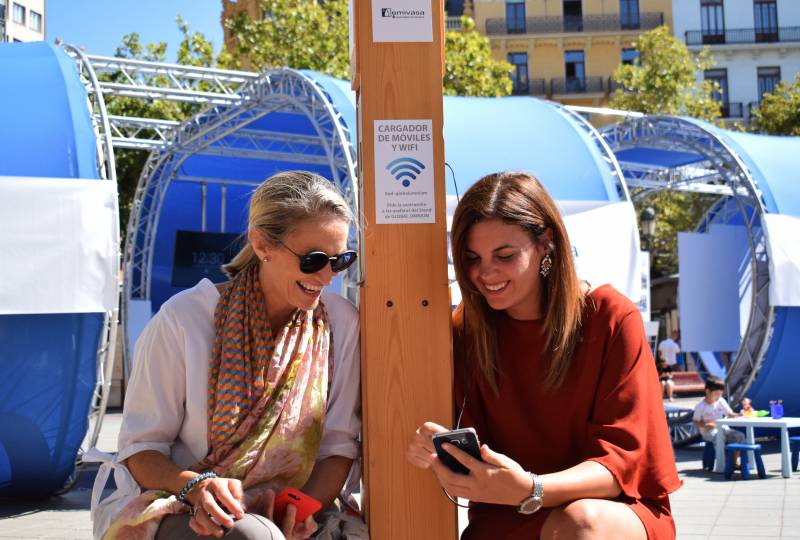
(314, 261)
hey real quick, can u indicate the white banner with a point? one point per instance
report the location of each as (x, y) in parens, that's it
(784, 259)
(59, 240)
(605, 243)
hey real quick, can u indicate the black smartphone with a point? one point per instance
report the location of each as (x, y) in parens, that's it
(466, 439)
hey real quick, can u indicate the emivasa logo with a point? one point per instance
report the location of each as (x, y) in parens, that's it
(393, 13)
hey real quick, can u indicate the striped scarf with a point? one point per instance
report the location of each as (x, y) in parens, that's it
(266, 392)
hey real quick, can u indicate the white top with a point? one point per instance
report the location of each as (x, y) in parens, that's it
(669, 350)
(711, 412)
(166, 400)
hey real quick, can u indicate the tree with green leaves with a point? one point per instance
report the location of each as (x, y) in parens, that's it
(779, 112)
(470, 69)
(663, 80)
(301, 34)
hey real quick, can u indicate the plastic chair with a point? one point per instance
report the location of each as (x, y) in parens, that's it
(731, 448)
(794, 444)
(709, 456)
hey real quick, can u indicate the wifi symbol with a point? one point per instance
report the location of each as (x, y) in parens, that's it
(405, 169)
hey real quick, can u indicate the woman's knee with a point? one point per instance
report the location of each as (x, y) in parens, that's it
(578, 519)
(590, 519)
(254, 527)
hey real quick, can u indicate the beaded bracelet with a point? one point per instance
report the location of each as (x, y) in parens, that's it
(193, 482)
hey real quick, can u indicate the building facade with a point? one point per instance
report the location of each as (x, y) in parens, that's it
(755, 44)
(22, 20)
(566, 50)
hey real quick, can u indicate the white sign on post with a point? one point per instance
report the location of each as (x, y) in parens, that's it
(402, 21)
(404, 172)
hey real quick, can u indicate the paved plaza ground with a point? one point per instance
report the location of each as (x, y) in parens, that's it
(706, 507)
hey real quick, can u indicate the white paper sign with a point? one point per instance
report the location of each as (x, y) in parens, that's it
(404, 172)
(402, 21)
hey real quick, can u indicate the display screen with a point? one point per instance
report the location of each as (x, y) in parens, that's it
(201, 255)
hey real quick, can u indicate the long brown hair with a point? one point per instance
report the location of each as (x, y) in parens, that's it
(519, 199)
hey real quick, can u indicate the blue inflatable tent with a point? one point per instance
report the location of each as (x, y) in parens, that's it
(48, 358)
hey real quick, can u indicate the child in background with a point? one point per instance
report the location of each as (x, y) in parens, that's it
(712, 408)
(665, 378)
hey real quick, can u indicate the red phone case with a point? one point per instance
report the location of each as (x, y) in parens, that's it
(305, 504)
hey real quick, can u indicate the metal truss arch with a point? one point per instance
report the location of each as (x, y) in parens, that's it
(211, 132)
(106, 167)
(720, 172)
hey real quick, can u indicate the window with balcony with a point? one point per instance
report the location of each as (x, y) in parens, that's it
(768, 79)
(519, 77)
(630, 57)
(629, 14)
(712, 21)
(765, 14)
(575, 71)
(720, 92)
(573, 16)
(35, 21)
(515, 16)
(18, 14)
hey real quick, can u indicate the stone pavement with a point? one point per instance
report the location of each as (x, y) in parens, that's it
(706, 507)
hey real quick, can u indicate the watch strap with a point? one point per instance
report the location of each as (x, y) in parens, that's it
(538, 488)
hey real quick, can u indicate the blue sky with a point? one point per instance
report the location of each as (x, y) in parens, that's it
(98, 25)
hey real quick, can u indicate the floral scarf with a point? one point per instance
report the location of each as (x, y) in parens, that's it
(267, 396)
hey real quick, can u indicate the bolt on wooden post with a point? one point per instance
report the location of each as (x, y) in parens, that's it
(397, 67)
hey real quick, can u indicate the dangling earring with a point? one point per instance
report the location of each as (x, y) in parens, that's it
(545, 265)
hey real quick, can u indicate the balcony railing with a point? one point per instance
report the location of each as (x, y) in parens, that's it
(586, 23)
(576, 85)
(452, 24)
(533, 87)
(538, 87)
(613, 85)
(743, 36)
(733, 109)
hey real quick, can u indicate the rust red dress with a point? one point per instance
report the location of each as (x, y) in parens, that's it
(609, 410)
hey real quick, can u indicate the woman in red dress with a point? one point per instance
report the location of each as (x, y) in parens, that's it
(556, 378)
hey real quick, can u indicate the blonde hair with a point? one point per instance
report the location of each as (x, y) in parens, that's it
(519, 199)
(282, 202)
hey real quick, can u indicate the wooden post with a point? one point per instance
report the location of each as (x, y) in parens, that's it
(405, 303)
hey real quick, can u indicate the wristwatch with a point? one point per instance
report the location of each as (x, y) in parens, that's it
(533, 503)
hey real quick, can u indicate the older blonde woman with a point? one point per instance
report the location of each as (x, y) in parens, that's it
(241, 389)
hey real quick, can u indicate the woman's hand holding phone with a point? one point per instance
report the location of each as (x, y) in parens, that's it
(494, 478)
(292, 528)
